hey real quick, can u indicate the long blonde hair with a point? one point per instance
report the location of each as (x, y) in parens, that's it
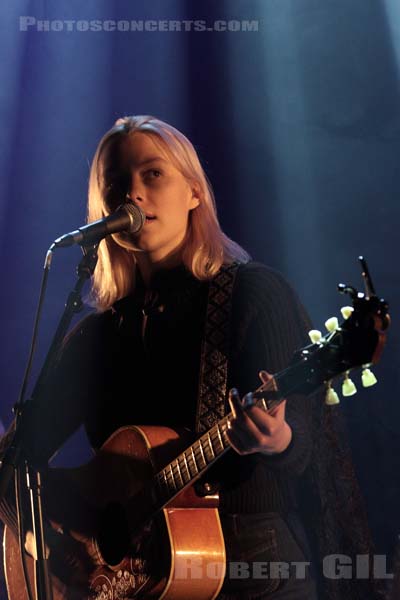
(206, 247)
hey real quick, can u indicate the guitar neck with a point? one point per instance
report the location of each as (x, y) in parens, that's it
(307, 371)
(188, 467)
(191, 464)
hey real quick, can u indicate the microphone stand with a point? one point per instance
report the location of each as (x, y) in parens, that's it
(14, 460)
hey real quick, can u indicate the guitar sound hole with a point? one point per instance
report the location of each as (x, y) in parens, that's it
(113, 536)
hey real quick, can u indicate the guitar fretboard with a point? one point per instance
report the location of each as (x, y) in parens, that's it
(192, 463)
(197, 458)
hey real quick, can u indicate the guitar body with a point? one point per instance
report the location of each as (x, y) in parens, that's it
(179, 554)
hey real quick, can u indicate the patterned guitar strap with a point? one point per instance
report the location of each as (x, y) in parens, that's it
(214, 350)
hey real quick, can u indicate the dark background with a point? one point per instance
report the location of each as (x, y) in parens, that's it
(297, 125)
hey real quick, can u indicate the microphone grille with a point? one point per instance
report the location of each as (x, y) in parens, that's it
(137, 217)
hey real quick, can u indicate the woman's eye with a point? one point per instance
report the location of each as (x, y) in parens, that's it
(153, 173)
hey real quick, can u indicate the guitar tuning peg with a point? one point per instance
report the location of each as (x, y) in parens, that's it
(315, 336)
(368, 378)
(348, 387)
(331, 397)
(332, 324)
(346, 311)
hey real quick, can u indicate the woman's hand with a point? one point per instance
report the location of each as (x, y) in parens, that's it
(254, 430)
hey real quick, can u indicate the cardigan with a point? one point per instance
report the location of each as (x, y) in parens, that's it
(138, 363)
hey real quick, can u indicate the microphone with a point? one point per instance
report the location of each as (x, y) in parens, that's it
(127, 217)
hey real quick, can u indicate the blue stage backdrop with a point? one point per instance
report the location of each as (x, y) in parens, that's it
(294, 108)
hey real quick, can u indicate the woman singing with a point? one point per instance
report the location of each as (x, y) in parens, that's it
(138, 358)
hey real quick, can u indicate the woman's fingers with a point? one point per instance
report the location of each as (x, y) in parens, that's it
(265, 376)
(252, 429)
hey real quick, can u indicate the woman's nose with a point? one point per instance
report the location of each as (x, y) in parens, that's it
(132, 198)
(136, 190)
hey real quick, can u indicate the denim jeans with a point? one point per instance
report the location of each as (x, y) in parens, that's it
(262, 550)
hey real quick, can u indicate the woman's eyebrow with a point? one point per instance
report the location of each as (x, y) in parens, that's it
(150, 160)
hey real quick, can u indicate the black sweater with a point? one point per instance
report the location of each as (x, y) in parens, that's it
(110, 374)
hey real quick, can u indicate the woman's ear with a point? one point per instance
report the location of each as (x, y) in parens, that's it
(196, 193)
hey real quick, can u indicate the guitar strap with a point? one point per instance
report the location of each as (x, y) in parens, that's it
(213, 377)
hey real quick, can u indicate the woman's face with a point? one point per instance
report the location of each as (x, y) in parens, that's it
(163, 194)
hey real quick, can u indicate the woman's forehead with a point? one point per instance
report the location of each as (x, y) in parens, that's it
(139, 149)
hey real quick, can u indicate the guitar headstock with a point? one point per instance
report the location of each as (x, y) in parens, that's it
(355, 342)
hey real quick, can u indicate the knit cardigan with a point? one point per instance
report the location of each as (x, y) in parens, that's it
(138, 363)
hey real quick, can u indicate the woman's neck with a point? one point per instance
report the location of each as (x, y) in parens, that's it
(148, 267)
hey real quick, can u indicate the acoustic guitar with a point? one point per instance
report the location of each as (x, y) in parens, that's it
(131, 523)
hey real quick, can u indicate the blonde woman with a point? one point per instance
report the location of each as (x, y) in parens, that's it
(136, 359)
